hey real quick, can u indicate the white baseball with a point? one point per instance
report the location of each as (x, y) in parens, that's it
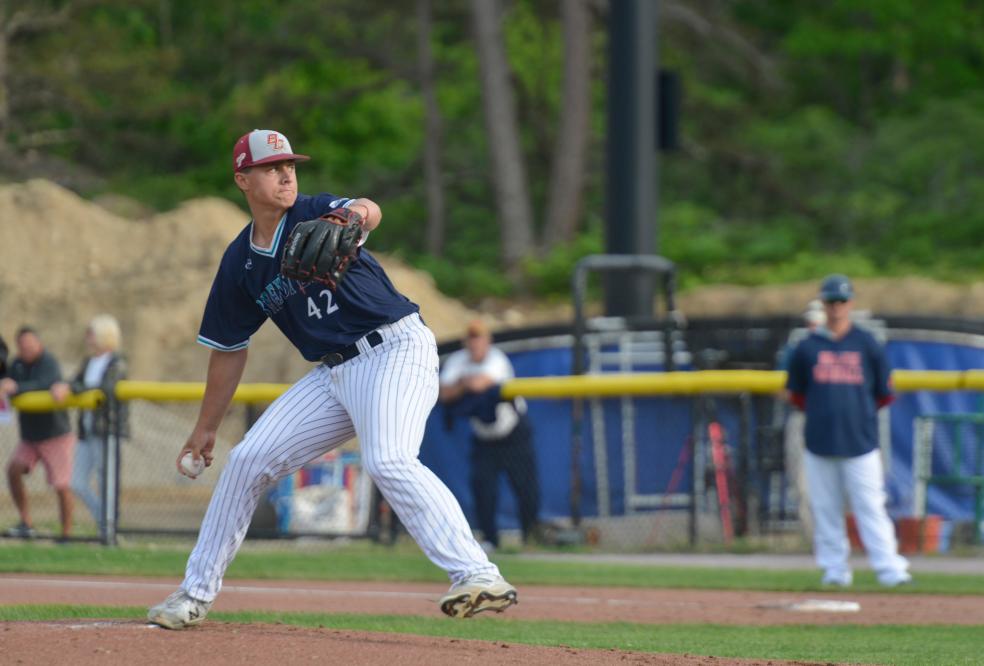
(192, 467)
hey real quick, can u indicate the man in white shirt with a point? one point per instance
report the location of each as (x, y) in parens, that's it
(502, 437)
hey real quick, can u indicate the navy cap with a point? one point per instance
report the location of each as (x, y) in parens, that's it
(836, 287)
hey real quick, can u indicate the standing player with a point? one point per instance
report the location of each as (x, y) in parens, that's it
(377, 379)
(839, 376)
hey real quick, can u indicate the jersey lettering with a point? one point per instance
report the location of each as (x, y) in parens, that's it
(271, 301)
(838, 368)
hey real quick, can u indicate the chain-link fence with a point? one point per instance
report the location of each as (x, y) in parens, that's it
(948, 453)
(146, 495)
(153, 495)
(631, 505)
(655, 472)
(329, 496)
(676, 473)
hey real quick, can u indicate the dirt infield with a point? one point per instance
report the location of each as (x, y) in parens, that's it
(113, 642)
(83, 643)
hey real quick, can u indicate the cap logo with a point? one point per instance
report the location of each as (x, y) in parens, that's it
(275, 141)
(239, 159)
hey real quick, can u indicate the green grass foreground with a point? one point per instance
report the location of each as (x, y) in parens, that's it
(903, 645)
(365, 561)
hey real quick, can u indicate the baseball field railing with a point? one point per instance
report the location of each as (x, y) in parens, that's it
(144, 493)
(948, 450)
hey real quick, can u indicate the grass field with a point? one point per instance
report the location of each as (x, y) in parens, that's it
(881, 644)
(366, 561)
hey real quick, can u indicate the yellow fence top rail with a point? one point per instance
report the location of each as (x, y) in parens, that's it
(715, 382)
(581, 386)
(41, 401)
(194, 391)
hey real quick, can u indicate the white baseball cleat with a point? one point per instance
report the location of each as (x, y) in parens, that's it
(179, 611)
(477, 594)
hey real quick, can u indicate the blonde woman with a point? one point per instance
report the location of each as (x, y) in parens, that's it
(101, 369)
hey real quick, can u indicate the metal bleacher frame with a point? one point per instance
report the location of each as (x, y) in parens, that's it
(620, 344)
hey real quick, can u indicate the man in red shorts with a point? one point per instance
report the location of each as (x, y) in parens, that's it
(45, 436)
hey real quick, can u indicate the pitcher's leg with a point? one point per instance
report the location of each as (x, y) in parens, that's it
(304, 423)
(866, 490)
(389, 394)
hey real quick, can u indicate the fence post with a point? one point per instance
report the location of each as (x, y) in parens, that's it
(744, 452)
(699, 425)
(111, 470)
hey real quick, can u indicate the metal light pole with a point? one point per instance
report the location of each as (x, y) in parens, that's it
(632, 163)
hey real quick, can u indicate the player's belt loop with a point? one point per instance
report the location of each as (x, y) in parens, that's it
(372, 339)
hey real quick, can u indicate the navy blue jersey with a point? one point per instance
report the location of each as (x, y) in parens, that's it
(248, 289)
(843, 382)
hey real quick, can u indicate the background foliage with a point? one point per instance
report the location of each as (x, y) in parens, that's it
(840, 134)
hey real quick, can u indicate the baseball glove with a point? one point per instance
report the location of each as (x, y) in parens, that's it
(323, 249)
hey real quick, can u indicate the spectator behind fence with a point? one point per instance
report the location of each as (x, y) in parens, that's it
(839, 375)
(44, 436)
(502, 437)
(101, 369)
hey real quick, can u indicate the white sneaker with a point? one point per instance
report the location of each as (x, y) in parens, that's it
(479, 593)
(179, 611)
(894, 578)
(837, 579)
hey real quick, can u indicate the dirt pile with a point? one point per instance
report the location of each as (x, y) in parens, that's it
(64, 259)
(884, 296)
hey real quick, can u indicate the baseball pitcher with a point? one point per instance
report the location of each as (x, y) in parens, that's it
(301, 262)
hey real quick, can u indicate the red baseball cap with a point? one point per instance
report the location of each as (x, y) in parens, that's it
(262, 147)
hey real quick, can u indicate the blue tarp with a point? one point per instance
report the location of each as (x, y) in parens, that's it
(663, 426)
(950, 502)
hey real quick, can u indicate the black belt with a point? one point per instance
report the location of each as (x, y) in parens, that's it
(348, 353)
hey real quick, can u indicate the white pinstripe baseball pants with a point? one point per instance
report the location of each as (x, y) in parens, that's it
(384, 395)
